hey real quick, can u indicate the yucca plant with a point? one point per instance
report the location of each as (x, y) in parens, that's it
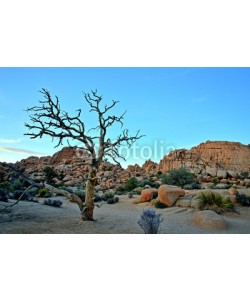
(215, 202)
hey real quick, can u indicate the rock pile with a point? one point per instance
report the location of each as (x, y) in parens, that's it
(219, 162)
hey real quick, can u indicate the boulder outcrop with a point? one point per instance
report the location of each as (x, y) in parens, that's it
(224, 160)
(209, 156)
(169, 194)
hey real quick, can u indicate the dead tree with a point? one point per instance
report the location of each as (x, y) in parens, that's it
(49, 120)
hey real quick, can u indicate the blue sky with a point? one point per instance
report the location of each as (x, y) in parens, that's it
(173, 107)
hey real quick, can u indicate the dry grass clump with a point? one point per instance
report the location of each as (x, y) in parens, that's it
(215, 202)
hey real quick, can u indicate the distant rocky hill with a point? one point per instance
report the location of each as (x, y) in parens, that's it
(207, 160)
(221, 155)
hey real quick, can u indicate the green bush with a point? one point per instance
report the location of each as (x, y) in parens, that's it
(211, 186)
(108, 195)
(112, 200)
(244, 175)
(243, 199)
(215, 180)
(215, 202)
(178, 177)
(44, 193)
(4, 195)
(131, 184)
(49, 175)
(16, 185)
(159, 204)
(137, 191)
(146, 182)
(5, 185)
(120, 189)
(25, 195)
(192, 186)
(79, 193)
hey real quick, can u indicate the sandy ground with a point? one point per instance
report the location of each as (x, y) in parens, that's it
(119, 218)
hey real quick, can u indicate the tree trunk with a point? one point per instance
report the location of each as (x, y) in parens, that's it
(88, 209)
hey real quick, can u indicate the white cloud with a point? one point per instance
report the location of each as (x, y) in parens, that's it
(22, 151)
(10, 141)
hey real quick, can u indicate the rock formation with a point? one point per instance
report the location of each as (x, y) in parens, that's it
(224, 160)
(221, 156)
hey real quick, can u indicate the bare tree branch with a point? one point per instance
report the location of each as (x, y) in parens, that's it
(48, 119)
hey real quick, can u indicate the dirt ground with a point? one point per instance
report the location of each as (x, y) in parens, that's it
(119, 218)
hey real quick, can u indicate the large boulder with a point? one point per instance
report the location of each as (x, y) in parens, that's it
(195, 203)
(169, 194)
(211, 171)
(222, 174)
(247, 181)
(148, 195)
(184, 202)
(233, 191)
(209, 219)
(232, 173)
(221, 186)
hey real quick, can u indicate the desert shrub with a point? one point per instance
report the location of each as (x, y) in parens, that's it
(150, 183)
(215, 202)
(5, 185)
(68, 189)
(80, 193)
(16, 185)
(159, 204)
(97, 198)
(150, 221)
(49, 175)
(244, 175)
(155, 185)
(131, 184)
(155, 194)
(215, 180)
(4, 195)
(26, 196)
(108, 195)
(192, 186)
(43, 193)
(211, 186)
(119, 193)
(178, 177)
(33, 191)
(243, 199)
(146, 182)
(120, 190)
(137, 191)
(130, 195)
(55, 203)
(112, 200)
